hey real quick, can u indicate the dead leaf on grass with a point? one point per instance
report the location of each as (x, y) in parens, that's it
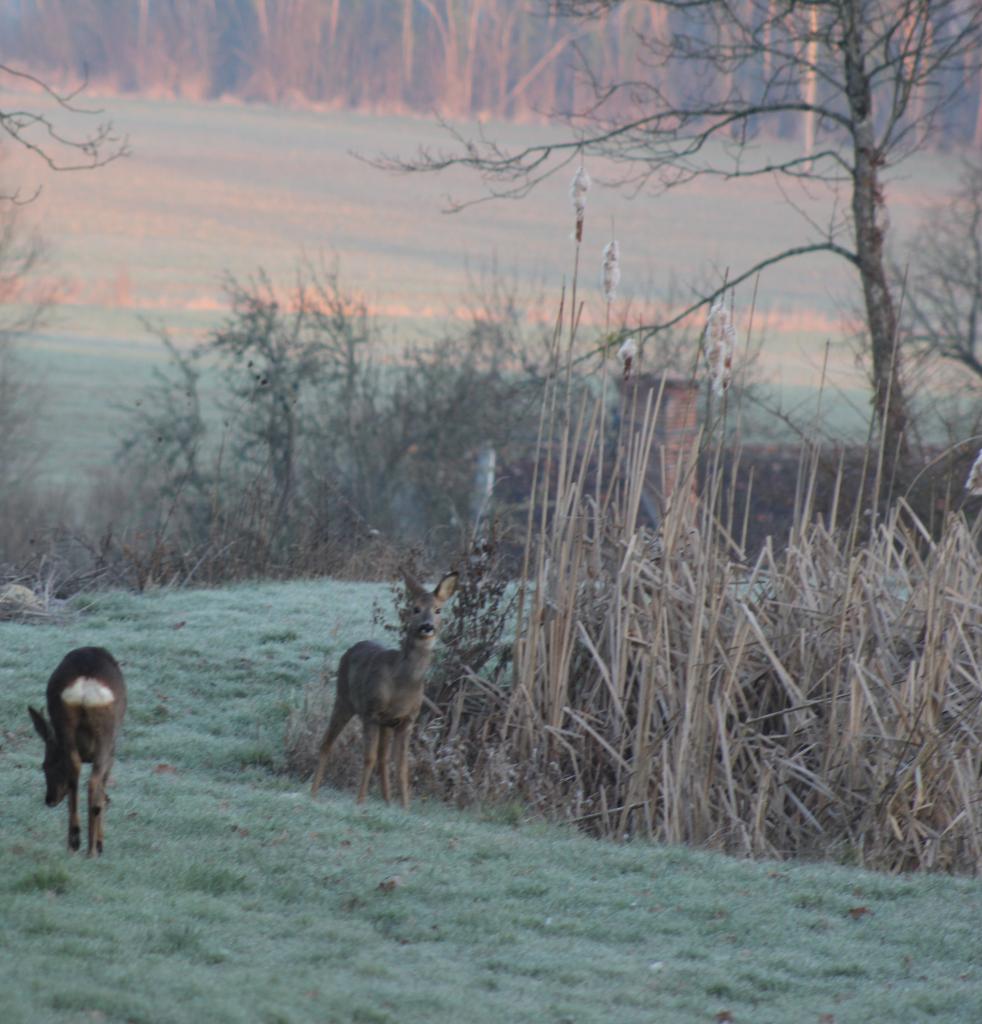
(857, 912)
(390, 883)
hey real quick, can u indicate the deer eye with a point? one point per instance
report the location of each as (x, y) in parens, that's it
(416, 609)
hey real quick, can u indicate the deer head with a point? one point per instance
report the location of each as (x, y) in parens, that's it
(425, 607)
(56, 765)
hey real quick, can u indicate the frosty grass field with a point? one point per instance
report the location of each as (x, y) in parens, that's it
(227, 894)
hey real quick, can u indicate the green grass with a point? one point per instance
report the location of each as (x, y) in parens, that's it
(226, 894)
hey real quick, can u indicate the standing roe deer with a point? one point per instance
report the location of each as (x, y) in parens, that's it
(86, 703)
(384, 688)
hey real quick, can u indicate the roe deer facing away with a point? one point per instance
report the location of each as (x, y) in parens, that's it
(384, 688)
(86, 703)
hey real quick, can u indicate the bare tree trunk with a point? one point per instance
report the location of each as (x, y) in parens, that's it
(408, 46)
(141, 41)
(889, 401)
(447, 28)
(551, 81)
(978, 111)
(262, 21)
(503, 49)
(333, 30)
(467, 83)
(811, 82)
(452, 88)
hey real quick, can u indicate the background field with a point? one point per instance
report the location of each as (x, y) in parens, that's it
(222, 187)
(226, 894)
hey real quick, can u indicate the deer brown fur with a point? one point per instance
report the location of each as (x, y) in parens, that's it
(86, 702)
(384, 688)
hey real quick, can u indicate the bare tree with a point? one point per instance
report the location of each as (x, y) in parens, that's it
(61, 147)
(21, 390)
(944, 283)
(867, 80)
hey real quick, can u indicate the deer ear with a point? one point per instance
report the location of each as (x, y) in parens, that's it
(40, 724)
(415, 588)
(445, 588)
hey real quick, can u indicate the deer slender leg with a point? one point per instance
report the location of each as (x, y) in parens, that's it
(100, 825)
(368, 758)
(384, 736)
(95, 813)
(400, 755)
(339, 719)
(74, 830)
(98, 802)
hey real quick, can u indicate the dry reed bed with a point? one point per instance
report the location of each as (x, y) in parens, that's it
(822, 701)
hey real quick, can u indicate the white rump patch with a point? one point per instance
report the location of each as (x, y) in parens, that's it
(88, 692)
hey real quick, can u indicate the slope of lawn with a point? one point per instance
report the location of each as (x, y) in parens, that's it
(226, 894)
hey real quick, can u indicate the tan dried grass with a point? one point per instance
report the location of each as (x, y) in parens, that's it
(824, 700)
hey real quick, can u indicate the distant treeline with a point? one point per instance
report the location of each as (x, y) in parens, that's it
(506, 58)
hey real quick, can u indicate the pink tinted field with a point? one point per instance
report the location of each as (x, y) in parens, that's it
(225, 187)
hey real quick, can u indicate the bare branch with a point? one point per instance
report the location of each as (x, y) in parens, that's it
(39, 134)
(645, 331)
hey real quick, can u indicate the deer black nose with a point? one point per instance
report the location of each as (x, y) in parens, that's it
(426, 629)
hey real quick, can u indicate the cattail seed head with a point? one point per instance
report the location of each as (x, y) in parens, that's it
(611, 270)
(626, 354)
(720, 343)
(974, 482)
(578, 189)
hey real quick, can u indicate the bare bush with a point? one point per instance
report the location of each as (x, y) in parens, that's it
(326, 444)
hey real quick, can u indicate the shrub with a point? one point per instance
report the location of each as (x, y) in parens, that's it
(325, 445)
